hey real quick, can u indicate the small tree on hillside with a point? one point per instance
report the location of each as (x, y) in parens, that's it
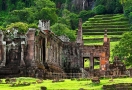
(61, 29)
(124, 48)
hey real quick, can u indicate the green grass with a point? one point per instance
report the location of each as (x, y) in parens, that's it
(115, 24)
(67, 84)
(100, 36)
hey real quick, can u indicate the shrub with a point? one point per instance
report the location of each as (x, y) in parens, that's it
(100, 9)
(86, 14)
(113, 6)
(130, 17)
(118, 8)
(127, 11)
(33, 25)
(22, 27)
(131, 27)
(61, 29)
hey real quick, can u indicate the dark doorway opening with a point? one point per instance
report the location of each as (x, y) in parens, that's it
(44, 51)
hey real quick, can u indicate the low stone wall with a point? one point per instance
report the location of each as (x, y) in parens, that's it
(120, 86)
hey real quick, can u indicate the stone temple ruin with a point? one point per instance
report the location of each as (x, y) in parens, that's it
(39, 53)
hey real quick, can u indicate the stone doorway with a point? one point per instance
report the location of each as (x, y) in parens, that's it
(44, 51)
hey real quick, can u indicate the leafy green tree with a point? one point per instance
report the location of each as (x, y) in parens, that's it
(48, 14)
(124, 48)
(130, 17)
(127, 4)
(24, 15)
(86, 14)
(22, 27)
(112, 6)
(68, 18)
(39, 4)
(65, 18)
(122, 1)
(100, 9)
(61, 29)
(45, 9)
(73, 21)
(20, 5)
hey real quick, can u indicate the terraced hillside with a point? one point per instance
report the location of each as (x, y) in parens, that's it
(93, 29)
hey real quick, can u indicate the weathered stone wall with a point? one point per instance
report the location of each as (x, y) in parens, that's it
(47, 53)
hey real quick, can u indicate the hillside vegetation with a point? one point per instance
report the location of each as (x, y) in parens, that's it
(115, 24)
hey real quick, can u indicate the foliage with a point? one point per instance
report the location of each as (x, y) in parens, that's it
(3, 16)
(22, 27)
(127, 4)
(32, 25)
(124, 48)
(24, 15)
(2, 28)
(112, 6)
(59, 1)
(130, 17)
(47, 14)
(61, 29)
(127, 11)
(42, 9)
(86, 14)
(118, 8)
(39, 4)
(73, 20)
(122, 1)
(100, 9)
(68, 18)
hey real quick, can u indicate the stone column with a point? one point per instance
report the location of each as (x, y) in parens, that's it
(1, 39)
(22, 63)
(30, 47)
(4, 53)
(91, 62)
(2, 50)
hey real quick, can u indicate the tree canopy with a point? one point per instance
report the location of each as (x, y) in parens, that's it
(61, 29)
(124, 48)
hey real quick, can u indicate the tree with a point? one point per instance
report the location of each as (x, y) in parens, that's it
(86, 14)
(100, 9)
(47, 14)
(39, 4)
(61, 29)
(24, 15)
(22, 27)
(68, 18)
(46, 10)
(124, 48)
(112, 6)
(122, 1)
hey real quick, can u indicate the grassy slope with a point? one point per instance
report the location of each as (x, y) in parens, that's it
(67, 85)
(93, 29)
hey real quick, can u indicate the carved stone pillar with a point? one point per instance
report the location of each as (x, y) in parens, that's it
(22, 63)
(2, 54)
(30, 47)
(91, 62)
(1, 39)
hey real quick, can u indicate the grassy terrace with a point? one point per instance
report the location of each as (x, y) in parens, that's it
(115, 24)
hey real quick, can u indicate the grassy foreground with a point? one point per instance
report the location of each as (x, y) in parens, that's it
(66, 85)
